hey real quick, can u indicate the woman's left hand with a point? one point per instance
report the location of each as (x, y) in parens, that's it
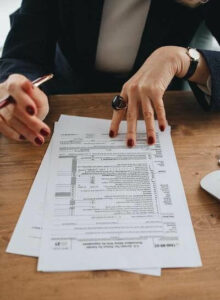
(146, 89)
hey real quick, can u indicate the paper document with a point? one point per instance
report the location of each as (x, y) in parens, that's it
(110, 207)
(27, 234)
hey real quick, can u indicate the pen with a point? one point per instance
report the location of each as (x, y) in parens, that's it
(36, 83)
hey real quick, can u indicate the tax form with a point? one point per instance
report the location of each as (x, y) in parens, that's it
(110, 207)
(27, 234)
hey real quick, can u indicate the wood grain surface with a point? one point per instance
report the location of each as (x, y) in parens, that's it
(196, 138)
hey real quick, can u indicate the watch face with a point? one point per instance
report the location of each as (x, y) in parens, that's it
(194, 54)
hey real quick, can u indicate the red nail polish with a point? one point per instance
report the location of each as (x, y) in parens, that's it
(162, 128)
(44, 132)
(30, 110)
(111, 133)
(150, 140)
(130, 143)
(21, 137)
(38, 141)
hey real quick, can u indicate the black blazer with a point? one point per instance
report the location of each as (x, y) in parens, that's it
(39, 25)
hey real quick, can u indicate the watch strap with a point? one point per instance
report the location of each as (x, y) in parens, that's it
(192, 67)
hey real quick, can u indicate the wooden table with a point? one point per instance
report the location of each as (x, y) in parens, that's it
(196, 138)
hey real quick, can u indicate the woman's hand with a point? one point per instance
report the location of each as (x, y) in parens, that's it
(146, 89)
(23, 119)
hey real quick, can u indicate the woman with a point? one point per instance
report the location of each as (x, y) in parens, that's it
(137, 46)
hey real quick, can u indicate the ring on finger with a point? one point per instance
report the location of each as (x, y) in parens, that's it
(118, 103)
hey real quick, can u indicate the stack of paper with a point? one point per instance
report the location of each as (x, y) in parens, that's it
(96, 204)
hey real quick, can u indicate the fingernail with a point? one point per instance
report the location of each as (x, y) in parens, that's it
(162, 128)
(44, 132)
(150, 140)
(38, 141)
(111, 133)
(21, 137)
(130, 143)
(30, 110)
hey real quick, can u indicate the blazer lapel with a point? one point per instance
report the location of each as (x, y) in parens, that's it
(95, 8)
(80, 26)
(157, 25)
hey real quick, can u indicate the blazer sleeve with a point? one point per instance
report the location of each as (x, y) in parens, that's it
(210, 12)
(30, 45)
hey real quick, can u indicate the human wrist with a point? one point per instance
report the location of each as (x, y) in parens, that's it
(183, 62)
(201, 74)
(176, 58)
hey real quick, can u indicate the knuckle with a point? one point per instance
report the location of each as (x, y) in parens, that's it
(133, 87)
(159, 107)
(11, 77)
(143, 88)
(150, 129)
(154, 91)
(159, 91)
(14, 81)
(131, 132)
(8, 112)
(9, 121)
(125, 87)
(130, 116)
(148, 114)
(11, 86)
(16, 76)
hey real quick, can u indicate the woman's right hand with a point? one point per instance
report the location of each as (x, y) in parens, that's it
(23, 119)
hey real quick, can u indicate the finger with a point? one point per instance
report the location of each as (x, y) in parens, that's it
(148, 114)
(40, 99)
(132, 116)
(35, 139)
(15, 87)
(161, 114)
(8, 132)
(30, 120)
(14, 129)
(20, 88)
(117, 117)
(31, 123)
(7, 112)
